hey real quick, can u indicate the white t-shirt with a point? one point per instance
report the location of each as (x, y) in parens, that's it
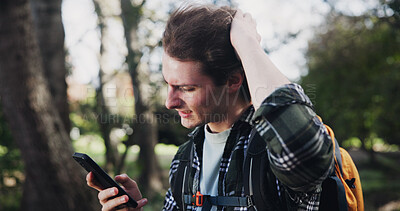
(213, 148)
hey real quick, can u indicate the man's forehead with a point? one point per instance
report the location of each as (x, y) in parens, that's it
(173, 61)
(186, 79)
(173, 69)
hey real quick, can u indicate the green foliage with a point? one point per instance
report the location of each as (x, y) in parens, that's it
(352, 142)
(354, 76)
(84, 117)
(11, 165)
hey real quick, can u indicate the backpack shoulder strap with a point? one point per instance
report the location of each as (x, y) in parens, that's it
(179, 182)
(333, 182)
(336, 148)
(260, 184)
(256, 144)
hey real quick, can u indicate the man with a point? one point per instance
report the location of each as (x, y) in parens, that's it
(223, 84)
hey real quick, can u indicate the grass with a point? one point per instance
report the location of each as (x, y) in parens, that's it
(380, 181)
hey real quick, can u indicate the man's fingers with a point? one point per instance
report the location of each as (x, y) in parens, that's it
(239, 13)
(104, 195)
(127, 182)
(113, 203)
(141, 203)
(91, 182)
(247, 15)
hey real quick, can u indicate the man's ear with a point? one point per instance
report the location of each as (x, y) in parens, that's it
(235, 82)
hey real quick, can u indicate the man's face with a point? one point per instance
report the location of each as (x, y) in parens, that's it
(193, 94)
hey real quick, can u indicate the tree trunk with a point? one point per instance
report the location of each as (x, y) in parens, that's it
(151, 174)
(50, 34)
(53, 180)
(146, 126)
(365, 137)
(105, 128)
(112, 155)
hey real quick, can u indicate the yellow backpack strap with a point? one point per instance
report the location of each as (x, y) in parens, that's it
(336, 151)
(354, 197)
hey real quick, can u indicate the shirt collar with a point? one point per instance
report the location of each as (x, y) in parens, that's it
(248, 114)
(245, 117)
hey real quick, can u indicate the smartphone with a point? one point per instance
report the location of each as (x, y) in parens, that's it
(102, 177)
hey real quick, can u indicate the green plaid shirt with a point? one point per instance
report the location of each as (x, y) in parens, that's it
(299, 150)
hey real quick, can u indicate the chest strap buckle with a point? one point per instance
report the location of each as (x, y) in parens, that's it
(199, 199)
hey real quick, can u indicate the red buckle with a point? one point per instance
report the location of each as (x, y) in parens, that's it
(199, 199)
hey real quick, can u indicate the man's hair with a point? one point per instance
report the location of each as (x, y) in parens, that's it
(202, 33)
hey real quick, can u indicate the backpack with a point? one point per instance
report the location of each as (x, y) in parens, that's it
(340, 191)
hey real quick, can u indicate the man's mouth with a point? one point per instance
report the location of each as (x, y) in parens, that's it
(185, 114)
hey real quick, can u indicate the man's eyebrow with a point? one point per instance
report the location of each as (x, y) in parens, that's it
(181, 85)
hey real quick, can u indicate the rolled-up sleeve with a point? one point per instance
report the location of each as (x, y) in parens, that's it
(299, 147)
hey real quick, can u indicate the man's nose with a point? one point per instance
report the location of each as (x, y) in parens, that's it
(173, 101)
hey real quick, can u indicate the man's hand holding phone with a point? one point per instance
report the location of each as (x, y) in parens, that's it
(106, 195)
(112, 196)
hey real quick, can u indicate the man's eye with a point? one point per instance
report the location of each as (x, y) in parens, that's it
(187, 88)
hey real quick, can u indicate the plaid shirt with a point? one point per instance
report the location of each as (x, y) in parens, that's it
(299, 150)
